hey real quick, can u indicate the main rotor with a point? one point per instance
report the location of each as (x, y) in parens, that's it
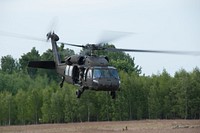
(101, 45)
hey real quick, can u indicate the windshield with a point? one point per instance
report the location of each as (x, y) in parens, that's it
(105, 73)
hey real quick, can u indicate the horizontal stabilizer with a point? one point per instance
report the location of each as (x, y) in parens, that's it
(42, 64)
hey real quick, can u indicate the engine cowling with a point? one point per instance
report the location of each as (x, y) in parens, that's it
(75, 59)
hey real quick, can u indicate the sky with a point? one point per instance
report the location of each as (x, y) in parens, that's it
(156, 24)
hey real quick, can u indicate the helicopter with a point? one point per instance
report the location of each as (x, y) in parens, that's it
(87, 71)
(90, 72)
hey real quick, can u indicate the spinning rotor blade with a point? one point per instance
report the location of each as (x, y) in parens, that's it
(17, 35)
(53, 25)
(194, 53)
(70, 44)
(108, 36)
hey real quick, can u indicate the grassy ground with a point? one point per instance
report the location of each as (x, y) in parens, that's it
(142, 126)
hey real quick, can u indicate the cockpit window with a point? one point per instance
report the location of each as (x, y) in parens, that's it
(114, 73)
(105, 73)
(96, 73)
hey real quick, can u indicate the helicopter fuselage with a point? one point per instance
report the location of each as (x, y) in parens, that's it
(90, 72)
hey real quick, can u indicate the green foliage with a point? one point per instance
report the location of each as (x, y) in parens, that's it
(32, 98)
(30, 56)
(193, 95)
(7, 108)
(8, 64)
(22, 107)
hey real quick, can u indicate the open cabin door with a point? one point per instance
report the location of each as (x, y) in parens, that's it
(72, 74)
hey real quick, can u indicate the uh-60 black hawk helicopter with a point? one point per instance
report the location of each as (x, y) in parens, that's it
(90, 71)
(87, 71)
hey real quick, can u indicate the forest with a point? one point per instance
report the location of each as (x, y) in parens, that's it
(33, 96)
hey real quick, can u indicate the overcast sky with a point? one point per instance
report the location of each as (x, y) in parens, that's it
(157, 24)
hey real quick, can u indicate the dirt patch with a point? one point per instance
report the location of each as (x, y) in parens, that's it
(142, 126)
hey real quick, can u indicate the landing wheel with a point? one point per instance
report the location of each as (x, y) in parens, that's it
(79, 92)
(113, 94)
(61, 85)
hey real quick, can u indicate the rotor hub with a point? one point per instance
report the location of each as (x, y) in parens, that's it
(53, 36)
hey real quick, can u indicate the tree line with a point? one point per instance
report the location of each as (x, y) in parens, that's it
(33, 96)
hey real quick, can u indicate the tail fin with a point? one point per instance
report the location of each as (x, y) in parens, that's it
(54, 39)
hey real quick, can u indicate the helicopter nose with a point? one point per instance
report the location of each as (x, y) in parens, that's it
(108, 85)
